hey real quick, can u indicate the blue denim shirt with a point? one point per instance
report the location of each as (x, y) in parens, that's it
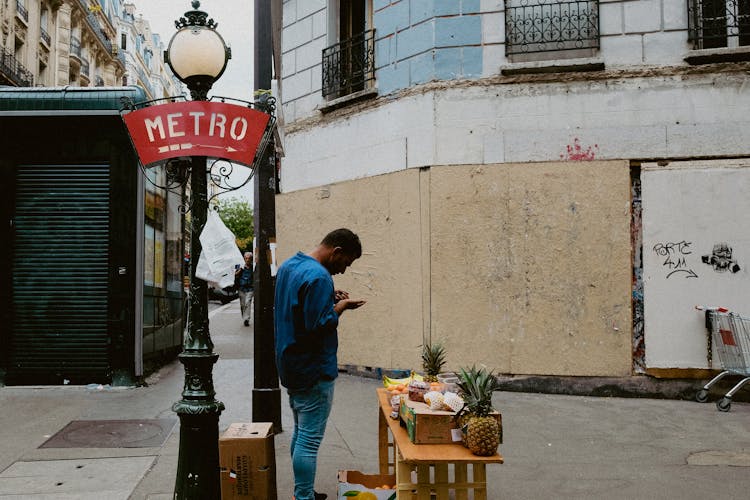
(305, 323)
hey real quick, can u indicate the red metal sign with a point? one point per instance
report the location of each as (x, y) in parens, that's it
(196, 128)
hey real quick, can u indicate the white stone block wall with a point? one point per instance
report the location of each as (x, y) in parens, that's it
(675, 117)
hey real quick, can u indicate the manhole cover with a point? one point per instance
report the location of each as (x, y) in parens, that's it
(112, 434)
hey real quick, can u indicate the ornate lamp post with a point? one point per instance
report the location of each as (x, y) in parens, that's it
(198, 56)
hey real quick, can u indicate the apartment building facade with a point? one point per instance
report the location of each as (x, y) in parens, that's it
(82, 43)
(548, 187)
(118, 305)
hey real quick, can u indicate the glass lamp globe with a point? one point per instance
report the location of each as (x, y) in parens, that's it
(197, 53)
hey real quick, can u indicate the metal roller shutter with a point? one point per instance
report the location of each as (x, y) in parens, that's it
(60, 275)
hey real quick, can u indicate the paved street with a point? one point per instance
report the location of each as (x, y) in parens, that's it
(563, 447)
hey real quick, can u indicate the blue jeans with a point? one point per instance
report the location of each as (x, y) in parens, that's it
(310, 409)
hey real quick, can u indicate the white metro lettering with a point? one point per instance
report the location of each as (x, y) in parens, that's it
(217, 120)
(238, 136)
(195, 124)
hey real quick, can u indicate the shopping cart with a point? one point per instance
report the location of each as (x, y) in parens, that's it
(730, 340)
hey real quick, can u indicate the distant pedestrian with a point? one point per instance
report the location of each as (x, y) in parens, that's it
(243, 280)
(306, 315)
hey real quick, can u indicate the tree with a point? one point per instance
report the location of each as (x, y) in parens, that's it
(237, 214)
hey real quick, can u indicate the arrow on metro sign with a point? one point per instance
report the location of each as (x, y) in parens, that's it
(196, 128)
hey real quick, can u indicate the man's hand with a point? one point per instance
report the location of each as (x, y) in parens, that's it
(339, 295)
(344, 304)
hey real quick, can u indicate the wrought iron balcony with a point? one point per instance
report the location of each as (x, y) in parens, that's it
(75, 47)
(550, 25)
(349, 66)
(13, 71)
(45, 36)
(21, 10)
(719, 23)
(96, 27)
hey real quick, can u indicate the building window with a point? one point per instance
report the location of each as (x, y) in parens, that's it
(124, 41)
(349, 64)
(44, 26)
(21, 10)
(719, 23)
(552, 27)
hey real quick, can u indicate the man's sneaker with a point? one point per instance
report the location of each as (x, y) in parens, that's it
(247, 322)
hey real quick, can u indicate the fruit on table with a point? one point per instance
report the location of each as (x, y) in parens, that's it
(433, 359)
(481, 430)
(417, 390)
(361, 495)
(399, 385)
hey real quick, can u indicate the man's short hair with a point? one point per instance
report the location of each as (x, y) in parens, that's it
(346, 239)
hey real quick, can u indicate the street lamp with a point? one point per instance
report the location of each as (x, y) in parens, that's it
(198, 56)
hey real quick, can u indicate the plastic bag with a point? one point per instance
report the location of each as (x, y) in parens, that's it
(220, 254)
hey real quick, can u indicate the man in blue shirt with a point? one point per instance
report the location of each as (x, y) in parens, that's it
(306, 314)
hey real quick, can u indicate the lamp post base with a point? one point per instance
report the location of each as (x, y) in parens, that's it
(198, 462)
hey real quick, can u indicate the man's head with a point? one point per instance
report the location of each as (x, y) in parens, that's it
(339, 249)
(248, 258)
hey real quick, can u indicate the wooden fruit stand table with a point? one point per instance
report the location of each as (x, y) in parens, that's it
(440, 468)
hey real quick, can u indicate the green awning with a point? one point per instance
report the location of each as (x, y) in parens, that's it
(42, 101)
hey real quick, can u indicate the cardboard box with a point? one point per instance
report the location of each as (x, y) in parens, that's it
(247, 460)
(426, 426)
(353, 480)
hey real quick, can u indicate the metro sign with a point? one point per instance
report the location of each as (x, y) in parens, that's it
(196, 128)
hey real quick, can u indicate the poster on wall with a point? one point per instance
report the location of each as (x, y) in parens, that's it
(148, 259)
(159, 259)
(696, 252)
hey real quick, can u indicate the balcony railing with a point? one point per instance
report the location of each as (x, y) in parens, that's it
(96, 27)
(550, 25)
(75, 47)
(349, 66)
(45, 36)
(14, 71)
(719, 23)
(21, 10)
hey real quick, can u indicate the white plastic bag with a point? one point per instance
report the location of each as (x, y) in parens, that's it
(220, 254)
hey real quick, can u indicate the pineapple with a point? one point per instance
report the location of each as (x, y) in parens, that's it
(433, 359)
(481, 430)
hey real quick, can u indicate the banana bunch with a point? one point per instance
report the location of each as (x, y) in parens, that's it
(393, 384)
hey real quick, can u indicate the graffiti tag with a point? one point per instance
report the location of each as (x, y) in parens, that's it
(674, 257)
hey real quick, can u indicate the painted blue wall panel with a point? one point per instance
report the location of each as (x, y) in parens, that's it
(392, 19)
(471, 62)
(422, 68)
(447, 7)
(392, 78)
(458, 31)
(448, 63)
(382, 52)
(380, 4)
(421, 10)
(470, 6)
(415, 40)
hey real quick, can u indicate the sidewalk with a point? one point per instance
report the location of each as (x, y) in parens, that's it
(556, 446)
